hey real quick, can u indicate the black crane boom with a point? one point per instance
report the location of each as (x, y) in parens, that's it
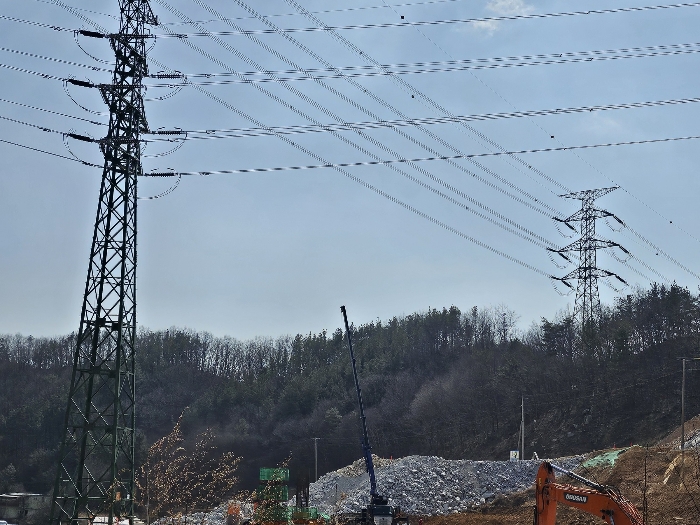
(366, 447)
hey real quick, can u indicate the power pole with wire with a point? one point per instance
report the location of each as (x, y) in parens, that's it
(522, 428)
(96, 464)
(316, 458)
(587, 305)
(684, 359)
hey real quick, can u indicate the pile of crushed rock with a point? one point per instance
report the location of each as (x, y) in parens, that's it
(427, 485)
(419, 485)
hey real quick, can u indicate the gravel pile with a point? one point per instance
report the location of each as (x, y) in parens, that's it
(427, 485)
(420, 485)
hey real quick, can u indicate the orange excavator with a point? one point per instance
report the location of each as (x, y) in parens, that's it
(600, 500)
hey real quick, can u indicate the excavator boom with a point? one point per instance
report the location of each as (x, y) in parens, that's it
(600, 500)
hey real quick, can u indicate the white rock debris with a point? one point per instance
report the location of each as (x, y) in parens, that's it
(420, 485)
(427, 485)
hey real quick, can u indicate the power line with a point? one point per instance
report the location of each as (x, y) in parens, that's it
(376, 98)
(69, 80)
(410, 89)
(646, 205)
(57, 60)
(228, 47)
(368, 186)
(363, 8)
(82, 9)
(208, 94)
(52, 112)
(37, 24)
(97, 26)
(419, 159)
(413, 92)
(403, 68)
(406, 23)
(347, 126)
(376, 143)
(441, 66)
(345, 10)
(51, 153)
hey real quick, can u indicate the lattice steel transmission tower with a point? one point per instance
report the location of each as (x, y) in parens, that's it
(96, 466)
(587, 305)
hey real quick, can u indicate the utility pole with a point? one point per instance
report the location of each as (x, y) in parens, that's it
(587, 305)
(316, 458)
(683, 414)
(522, 428)
(96, 464)
(684, 359)
(504, 328)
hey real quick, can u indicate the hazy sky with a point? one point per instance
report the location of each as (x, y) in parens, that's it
(278, 252)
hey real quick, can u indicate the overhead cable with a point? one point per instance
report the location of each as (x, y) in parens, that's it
(327, 11)
(345, 126)
(422, 96)
(421, 159)
(419, 68)
(57, 60)
(221, 101)
(37, 24)
(408, 68)
(406, 23)
(74, 159)
(628, 192)
(511, 224)
(370, 187)
(390, 107)
(82, 9)
(52, 112)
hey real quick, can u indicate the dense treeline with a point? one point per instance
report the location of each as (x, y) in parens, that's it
(441, 382)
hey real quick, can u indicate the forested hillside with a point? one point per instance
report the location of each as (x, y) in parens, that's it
(442, 382)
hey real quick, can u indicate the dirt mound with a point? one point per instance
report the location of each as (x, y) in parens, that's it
(655, 475)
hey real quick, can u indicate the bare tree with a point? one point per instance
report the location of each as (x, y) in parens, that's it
(175, 480)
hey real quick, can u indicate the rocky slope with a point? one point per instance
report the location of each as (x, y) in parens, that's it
(427, 485)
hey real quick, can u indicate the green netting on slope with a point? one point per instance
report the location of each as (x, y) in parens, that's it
(606, 458)
(274, 474)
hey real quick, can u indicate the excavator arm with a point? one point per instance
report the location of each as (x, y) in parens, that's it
(600, 500)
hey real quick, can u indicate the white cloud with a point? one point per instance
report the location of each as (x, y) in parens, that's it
(509, 7)
(502, 8)
(488, 26)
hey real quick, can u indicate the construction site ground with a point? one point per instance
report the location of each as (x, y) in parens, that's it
(652, 477)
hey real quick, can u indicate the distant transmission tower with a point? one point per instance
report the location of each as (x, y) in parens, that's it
(96, 466)
(587, 306)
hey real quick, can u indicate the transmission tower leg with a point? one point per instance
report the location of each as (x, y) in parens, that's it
(96, 465)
